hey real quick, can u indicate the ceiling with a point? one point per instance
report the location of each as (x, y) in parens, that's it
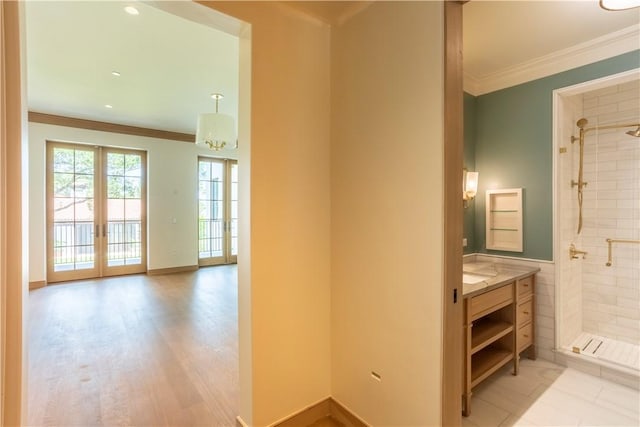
(501, 35)
(169, 65)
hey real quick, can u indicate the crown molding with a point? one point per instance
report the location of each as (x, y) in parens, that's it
(471, 84)
(598, 49)
(72, 122)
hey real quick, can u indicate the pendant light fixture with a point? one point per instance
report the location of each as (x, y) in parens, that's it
(216, 130)
(619, 4)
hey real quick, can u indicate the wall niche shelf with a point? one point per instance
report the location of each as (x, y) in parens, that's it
(504, 219)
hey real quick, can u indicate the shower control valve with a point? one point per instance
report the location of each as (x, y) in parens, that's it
(573, 252)
(579, 184)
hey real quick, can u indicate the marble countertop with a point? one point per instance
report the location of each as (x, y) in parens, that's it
(479, 277)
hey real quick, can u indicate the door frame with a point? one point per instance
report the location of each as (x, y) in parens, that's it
(13, 218)
(100, 196)
(105, 270)
(227, 257)
(52, 275)
(452, 360)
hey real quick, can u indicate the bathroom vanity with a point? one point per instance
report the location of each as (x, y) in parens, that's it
(499, 302)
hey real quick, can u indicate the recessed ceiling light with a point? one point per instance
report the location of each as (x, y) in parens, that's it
(116, 73)
(131, 10)
(108, 106)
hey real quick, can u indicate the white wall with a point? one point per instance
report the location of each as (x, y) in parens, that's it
(172, 193)
(387, 213)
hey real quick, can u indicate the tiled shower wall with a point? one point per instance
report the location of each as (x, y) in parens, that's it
(611, 209)
(569, 271)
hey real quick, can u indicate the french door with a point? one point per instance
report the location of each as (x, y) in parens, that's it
(96, 211)
(217, 211)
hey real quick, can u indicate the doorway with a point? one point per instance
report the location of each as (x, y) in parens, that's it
(217, 211)
(96, 211)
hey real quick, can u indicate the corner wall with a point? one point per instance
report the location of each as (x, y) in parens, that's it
(284, 294)
(387, 212)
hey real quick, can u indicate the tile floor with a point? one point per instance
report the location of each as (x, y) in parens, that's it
(546, 394)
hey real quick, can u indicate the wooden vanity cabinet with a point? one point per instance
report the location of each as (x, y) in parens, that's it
(525, 311)
(498, 326)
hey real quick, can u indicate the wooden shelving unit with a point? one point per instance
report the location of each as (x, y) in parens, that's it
(498, 326)
(487, 332)
(487, 361)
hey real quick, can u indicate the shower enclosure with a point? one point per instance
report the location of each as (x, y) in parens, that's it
(597, 223)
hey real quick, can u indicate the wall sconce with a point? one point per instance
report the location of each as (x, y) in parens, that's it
(216, 130)
(469, 186)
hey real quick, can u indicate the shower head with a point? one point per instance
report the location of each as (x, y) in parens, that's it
(582, 123)
(635, 133)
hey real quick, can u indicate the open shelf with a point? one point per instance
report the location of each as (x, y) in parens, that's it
(487, 361)
(488, 331)
(504, 219)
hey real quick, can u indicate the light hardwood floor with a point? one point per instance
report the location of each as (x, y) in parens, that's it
(135, 350)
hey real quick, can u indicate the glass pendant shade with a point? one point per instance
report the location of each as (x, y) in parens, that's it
(216, 130)
(469, 185)
(619, 4)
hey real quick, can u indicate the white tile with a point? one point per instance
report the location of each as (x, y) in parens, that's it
(561, 397)
(523, 422)
(484, 413)
(544, 414)
(600, 416)
(628, 380)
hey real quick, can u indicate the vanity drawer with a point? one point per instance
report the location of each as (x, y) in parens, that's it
(491, 301)
(525, 337)
(525, 286)
(525, 312)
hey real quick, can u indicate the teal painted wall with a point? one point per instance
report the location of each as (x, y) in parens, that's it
(470, 121)
(513, 144)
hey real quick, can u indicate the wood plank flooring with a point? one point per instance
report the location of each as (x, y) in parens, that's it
(135, 350)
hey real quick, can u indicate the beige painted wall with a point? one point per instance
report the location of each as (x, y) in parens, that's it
(387, 213)
(289, 364)
(172, 193)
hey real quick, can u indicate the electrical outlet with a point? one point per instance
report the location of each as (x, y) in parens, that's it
(464, 242)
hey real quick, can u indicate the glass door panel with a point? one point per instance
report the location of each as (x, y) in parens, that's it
(216, 180)
(95, 211)
(233, 211)
(71, 212)
(211, 179)
(124, 237)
